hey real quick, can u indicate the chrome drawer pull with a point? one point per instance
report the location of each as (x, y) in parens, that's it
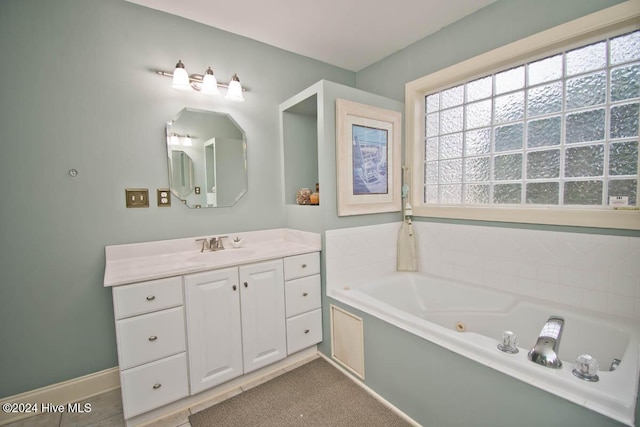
(157, 386)
(151, 297)
(306, 331)
(305, 294)
(153, 338)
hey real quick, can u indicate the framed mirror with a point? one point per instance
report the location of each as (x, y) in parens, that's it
(207, 158)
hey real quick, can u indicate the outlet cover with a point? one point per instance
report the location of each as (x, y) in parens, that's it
(164, 197)
(137, 197)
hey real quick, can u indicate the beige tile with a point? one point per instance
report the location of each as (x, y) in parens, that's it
(103, 406)
(115, 421)
(300, 363)
(263, 379)
(42, 420)
(217, 399)
(171, 420)
(187, 424)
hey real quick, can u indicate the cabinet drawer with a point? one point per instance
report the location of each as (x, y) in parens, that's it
(302, 295)
(145, 297)
(149, 337)
(301, 265)
(155, 384)
(304, 330)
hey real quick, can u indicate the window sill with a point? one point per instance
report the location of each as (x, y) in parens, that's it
(619, 219)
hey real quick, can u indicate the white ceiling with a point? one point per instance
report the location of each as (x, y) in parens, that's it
(350, 34)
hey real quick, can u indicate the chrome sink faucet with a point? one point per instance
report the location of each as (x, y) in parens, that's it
(213, 244)
(545, 352)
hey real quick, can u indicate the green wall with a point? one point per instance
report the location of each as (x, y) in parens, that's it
(435, 386)
(78, 92)
(496, 25)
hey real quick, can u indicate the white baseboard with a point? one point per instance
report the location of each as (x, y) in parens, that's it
(375, 395)
(62, 393)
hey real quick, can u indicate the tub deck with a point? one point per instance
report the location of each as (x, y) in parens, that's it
(434, 308)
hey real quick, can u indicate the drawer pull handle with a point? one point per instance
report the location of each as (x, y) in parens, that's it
(151, 297)
(306, 331)
(246, 285)
(305, 294)
(235, 287)
(153, 338)
(157, 386)
(304, 265)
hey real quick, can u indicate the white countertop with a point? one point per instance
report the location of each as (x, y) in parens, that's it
(155, 260)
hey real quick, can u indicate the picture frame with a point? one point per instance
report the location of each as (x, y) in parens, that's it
(368, 154)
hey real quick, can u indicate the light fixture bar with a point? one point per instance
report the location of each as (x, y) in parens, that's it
(196, 78)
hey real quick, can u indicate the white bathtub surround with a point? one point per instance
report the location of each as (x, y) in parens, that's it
(165, 258)
(360, 253)
(497, 279)
(595, 272)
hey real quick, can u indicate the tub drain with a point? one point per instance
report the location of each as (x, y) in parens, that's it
(460, 327)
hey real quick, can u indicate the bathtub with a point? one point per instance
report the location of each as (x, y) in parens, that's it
(470, 319)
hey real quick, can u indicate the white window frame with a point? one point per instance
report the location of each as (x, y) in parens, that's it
(577, 32)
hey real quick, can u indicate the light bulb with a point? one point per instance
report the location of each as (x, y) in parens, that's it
(186, 141)
(180, 77)
(174, 139)
(209, 83)
(234, 92)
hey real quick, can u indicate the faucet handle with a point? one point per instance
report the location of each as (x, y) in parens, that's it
(220, 244)
(204, 244)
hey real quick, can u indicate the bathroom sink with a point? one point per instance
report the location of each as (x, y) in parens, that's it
(225, 255)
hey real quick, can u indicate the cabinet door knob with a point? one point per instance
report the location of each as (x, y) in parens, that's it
(306, 331)
(305, 294)
(304, 265)
(235, 287)
(246, 285)
(153, 338)
(151, 297)
(157, 386)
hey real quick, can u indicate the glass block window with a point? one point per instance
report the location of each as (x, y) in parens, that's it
(558, 131)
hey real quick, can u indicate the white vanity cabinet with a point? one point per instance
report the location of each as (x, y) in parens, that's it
(150, 332)
(188, 322)
(303, 301)
(235, 322)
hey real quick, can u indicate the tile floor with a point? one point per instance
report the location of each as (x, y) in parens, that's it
(106, 408)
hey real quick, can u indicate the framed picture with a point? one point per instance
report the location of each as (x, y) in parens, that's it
(368, 158)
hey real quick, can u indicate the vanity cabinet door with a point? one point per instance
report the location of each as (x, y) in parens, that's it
(214, 334)
(264, 336)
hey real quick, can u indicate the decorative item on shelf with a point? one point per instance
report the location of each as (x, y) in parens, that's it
(204, 83)
(236, 242)
(314, 198)
(302, 196)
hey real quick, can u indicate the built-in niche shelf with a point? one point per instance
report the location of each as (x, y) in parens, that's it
(299, 134)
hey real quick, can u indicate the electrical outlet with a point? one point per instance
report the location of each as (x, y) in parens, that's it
(137, 197)
(197, 190)
(164, 197)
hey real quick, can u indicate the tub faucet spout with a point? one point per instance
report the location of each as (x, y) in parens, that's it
(545, 352)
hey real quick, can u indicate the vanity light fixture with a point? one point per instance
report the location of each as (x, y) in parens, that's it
(204, 83)
(179, 140)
